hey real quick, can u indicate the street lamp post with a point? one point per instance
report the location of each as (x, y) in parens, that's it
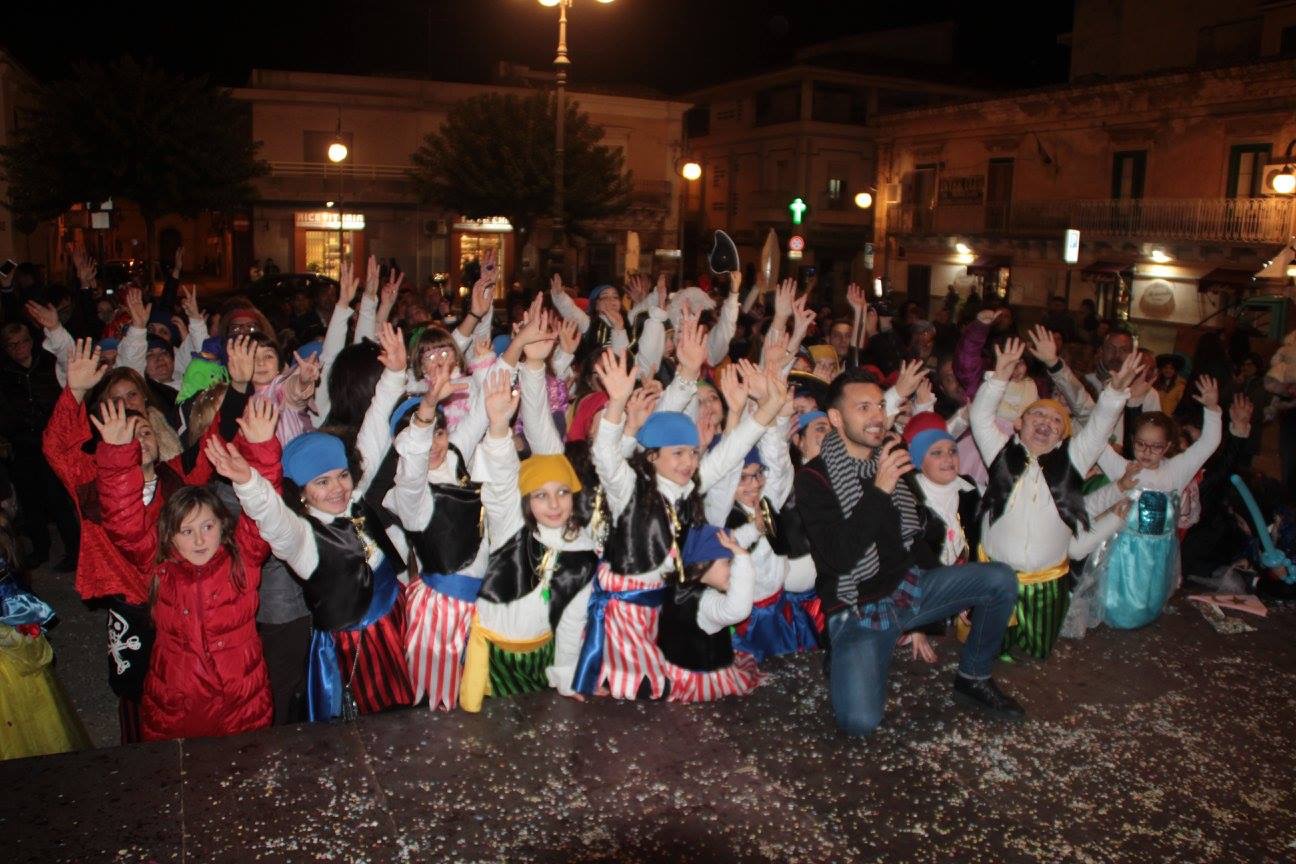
(337, 154)
(561, 64)
(690, 171)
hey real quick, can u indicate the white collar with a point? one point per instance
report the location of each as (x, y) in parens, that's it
(552, 538)
(447, 471)
(672, 490)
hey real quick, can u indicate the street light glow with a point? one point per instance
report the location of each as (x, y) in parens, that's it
(1160, 257)
(962, 249)
(549, 2)
(691, 171)
(1284, 182)
(863, 200)
(337, 151)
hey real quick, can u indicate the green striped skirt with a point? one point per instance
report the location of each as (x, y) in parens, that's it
(1039, 612)
(514, 672)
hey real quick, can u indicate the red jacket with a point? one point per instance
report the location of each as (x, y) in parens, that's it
(207, 675)
(101, 570)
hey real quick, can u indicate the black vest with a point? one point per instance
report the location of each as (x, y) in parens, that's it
(450, 540)
(512, 573)
(786, 533)
(640, 539)
(1064, 483)
(596, 337)
(680, 638)
(340, 589)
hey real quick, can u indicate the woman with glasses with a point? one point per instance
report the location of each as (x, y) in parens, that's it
(1128, 580)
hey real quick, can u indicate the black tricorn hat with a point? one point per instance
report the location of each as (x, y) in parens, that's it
(724, 254)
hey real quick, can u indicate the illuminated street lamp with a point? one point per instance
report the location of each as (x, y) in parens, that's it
(337, 154)
(561, 62)
(863, 200)
(691, 171)
(1284, 182)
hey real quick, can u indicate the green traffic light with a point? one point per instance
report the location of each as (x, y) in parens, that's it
(798, 208)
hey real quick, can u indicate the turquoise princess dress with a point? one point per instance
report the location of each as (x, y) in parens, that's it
(1141, 563)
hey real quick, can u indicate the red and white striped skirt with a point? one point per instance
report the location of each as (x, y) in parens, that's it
(381, 681)
(737, 680)
(436, 635)
(630, 652)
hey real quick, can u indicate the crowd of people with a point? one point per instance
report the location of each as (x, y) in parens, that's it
(374, 496)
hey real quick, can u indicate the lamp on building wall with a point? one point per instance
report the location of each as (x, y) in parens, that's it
(1284, 182)
(1160, 256)
(691, 171)
(863, 200)
(962, 248)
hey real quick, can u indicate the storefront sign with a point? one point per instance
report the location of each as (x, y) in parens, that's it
(966, 189)
(487, 225)
(1071, 246)
(327, 220)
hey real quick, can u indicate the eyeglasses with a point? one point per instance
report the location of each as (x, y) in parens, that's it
(1149, 447)
(752, 477)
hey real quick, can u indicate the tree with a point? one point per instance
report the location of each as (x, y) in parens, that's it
(132, 132)
(494, 156)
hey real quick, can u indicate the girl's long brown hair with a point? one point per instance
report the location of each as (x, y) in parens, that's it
(177, 508)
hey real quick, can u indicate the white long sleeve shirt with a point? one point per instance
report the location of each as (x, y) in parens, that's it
(334, 342)
(723, 332)
(1030, 535)
(720, 609)
(537, 416)
(1173, 474)
(568, 309)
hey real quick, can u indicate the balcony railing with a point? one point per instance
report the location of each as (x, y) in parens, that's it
(330, 169)
(1236, 220)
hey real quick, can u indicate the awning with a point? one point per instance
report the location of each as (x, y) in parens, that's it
(988, 265)
(1233, 277)
(1105, 271)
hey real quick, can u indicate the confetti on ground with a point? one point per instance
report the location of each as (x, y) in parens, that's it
(1170, 743)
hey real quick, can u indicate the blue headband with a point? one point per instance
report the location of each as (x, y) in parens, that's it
(594, 295)
(312, 454)
(668, 429)
(108, 344)
(500, 344)
(702, 544)
(809, 417)
(923, 441)
(752, 458)
(311, 349)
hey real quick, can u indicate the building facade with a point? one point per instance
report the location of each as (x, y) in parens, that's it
(1167, 177)
(383, 121)
(790, 150)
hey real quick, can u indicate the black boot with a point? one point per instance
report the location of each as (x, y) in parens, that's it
(983, 693)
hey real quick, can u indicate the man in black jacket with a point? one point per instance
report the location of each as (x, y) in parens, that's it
(862, 516)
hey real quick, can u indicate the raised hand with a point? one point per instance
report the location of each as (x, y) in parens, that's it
(617, 375)
(501, 399)
(189, 302)
(309, 369)
(392, 341)
(1042, 346)
(556, 284)
(178, 264)
(725, 539)
(636, 286)
(259, 420)
(777, 353)
(540, 335)
(569, 337)
(139, 311)
(753, 380)
(43, 314)
(483, 295)
(439, 388)
(372, 277)
(777, 394)
(924, 395)
(387, 297)
(642, 403)
(86, 268)
(911, 375)
(348, 282)
(181, 326)
(802, 318)
(84, 370)
(690, 349)
(1007, 357)
(855, 297)
(892, 465)
(784, 297)
(707, 429)
(114, 426)
(732, 387)
(1240, 412)
(1207, 393)
(1142, 383)
(1132, 366)
(228, 461)
(240, 356)
(735, 281)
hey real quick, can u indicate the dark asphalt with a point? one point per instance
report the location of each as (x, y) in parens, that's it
(1170, 743)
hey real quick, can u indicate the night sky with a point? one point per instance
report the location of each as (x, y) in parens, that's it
(668, 45)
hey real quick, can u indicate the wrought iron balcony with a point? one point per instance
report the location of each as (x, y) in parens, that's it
(1228, 220)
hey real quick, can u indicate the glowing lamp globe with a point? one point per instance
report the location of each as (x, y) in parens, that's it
(337, 151)
(863, 200)
(549, 2)
(1284, 182)
(691, 171)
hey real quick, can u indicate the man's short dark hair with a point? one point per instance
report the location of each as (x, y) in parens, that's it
(850, 376)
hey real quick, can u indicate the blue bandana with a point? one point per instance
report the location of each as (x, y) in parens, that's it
(809, 417)
(701, 544)
(312, 454)
(668, 429)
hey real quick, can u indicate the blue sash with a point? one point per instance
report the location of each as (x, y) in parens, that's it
(806, 633)
(323, 677)
(769, 633)
(590, 664)
(456, 585)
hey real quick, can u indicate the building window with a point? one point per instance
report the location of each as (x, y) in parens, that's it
(697, 121)
(836, 192)
(1287, 41)
(1231, 42)
(1246, 170)
(1128, 170)
(778, 105)
(838, 105)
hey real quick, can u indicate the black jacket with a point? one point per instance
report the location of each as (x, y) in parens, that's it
(27, 397)
(839, 542)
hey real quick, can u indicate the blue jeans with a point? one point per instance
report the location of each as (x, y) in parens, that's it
(861, 656)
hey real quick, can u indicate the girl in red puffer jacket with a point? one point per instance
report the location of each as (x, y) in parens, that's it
(207, 675)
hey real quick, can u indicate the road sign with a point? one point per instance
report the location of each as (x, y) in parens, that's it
(796, 243)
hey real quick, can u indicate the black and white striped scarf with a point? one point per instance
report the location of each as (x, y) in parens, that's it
(847, 475)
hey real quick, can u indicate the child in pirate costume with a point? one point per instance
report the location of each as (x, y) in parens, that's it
(653, 502)
(693, 631)
(603, 327)
(346, 554)
(1033, 514)
(783, 619)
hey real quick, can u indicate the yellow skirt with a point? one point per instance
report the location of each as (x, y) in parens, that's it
(36, 717)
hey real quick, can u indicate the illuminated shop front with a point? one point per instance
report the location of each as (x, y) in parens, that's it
(470, 238)
(320, 247)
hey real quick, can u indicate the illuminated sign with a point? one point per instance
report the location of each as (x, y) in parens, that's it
(798, 207)
(327, 220)
(487, 225)
(796, 243)
(1071, 246)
